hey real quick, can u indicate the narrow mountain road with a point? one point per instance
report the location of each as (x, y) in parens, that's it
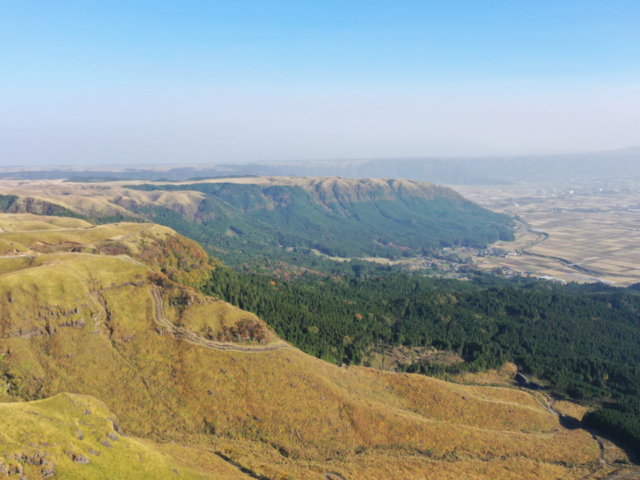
(191, 337)
(629, 475)
(548, 405)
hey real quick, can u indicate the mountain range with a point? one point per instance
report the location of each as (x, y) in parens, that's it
(242, 219)
(443, 170)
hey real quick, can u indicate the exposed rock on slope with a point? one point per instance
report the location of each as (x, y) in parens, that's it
(76, 436)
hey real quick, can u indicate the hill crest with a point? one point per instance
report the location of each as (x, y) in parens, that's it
(254, 216)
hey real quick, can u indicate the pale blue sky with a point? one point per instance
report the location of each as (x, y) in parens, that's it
(195, 82)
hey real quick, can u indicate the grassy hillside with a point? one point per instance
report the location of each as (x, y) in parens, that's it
(157, 354)
(38, 206)
(260, 220)
(339, 218)
(75, 436)
(582, 339)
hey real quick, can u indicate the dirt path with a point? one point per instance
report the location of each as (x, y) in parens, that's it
(617, 475)
(561, 419)
(191, 337)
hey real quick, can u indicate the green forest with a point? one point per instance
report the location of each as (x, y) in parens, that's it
(241, 221)
(581, 339)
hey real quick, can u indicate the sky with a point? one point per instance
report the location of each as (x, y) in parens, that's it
(169, 82)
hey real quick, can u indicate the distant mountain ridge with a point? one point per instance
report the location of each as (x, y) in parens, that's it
(242, 219)
(445, 170)
(339, 217)
(329, 189)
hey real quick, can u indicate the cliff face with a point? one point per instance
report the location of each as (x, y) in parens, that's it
(353, 189)
(251, 216)
(339, 217)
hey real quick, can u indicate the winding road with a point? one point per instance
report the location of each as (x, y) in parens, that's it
(191, 337)
(617, 475)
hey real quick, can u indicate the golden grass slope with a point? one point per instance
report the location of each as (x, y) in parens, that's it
(32, 233)
(308, 411)
(104, 199)
(23, 222)
(87, 324)
(76, 437)
(157, 247)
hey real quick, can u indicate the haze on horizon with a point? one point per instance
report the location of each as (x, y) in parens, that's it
(172, 82)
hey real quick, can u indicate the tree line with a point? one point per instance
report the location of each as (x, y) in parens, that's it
(581, 339)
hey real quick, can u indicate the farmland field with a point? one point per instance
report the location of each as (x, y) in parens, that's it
(581, 233)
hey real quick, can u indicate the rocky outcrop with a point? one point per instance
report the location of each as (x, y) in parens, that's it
(49, 470)
(26, 332)
(73, 323)
(78, 458)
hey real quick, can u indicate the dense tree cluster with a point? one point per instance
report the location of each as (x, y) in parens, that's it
(180, 259)
(242, 221)
(244, 331)
(582, 339)
(621, 419)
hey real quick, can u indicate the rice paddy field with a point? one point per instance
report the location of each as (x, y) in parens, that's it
(571, 233)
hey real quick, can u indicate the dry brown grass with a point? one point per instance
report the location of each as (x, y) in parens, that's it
(503, 377)
(85, 323)
(78, 236)
(614, 454)
(38, 435)
(159, 387)
(207, 316)
(22, 222)
(570, 409)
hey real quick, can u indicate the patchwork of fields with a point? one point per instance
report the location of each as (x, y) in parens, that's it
(592, 234)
